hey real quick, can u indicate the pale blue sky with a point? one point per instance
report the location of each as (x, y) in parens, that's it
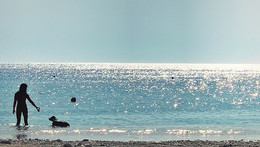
(164, 31)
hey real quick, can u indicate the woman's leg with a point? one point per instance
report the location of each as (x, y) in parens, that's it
(25, 117)
(18, 117)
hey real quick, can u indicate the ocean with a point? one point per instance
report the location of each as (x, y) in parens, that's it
(134, 101)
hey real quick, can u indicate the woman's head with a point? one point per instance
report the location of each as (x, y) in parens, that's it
(23, 88)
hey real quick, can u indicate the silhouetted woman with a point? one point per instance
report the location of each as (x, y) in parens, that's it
(20, 97)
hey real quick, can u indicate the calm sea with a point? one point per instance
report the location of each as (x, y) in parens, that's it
(134, 101)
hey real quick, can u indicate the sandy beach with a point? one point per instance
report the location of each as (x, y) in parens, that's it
(86, 142)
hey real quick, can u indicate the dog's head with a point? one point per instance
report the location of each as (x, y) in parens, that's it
(53, 118)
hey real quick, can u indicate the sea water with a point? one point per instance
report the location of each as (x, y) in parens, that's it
(134, 101)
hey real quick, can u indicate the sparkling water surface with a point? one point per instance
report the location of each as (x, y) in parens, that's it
(134, 101)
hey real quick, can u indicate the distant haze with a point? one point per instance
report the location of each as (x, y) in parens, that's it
(163, 31)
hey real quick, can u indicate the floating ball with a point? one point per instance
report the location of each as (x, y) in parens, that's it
(73, 99)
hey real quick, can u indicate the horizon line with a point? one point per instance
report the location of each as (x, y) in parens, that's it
(23, 62)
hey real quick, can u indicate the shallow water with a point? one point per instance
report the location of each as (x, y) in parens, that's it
(134, 101)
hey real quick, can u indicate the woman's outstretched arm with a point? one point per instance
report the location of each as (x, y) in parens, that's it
(29, 99)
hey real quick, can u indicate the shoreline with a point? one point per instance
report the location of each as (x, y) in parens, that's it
(87, 142)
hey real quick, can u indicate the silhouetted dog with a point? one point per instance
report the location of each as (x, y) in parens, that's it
(58, 123)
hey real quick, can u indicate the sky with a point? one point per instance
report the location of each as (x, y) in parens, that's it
(130, 31)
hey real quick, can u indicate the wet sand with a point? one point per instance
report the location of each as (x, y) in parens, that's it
(89, 143)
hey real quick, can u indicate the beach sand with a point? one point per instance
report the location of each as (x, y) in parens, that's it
(89, 143)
